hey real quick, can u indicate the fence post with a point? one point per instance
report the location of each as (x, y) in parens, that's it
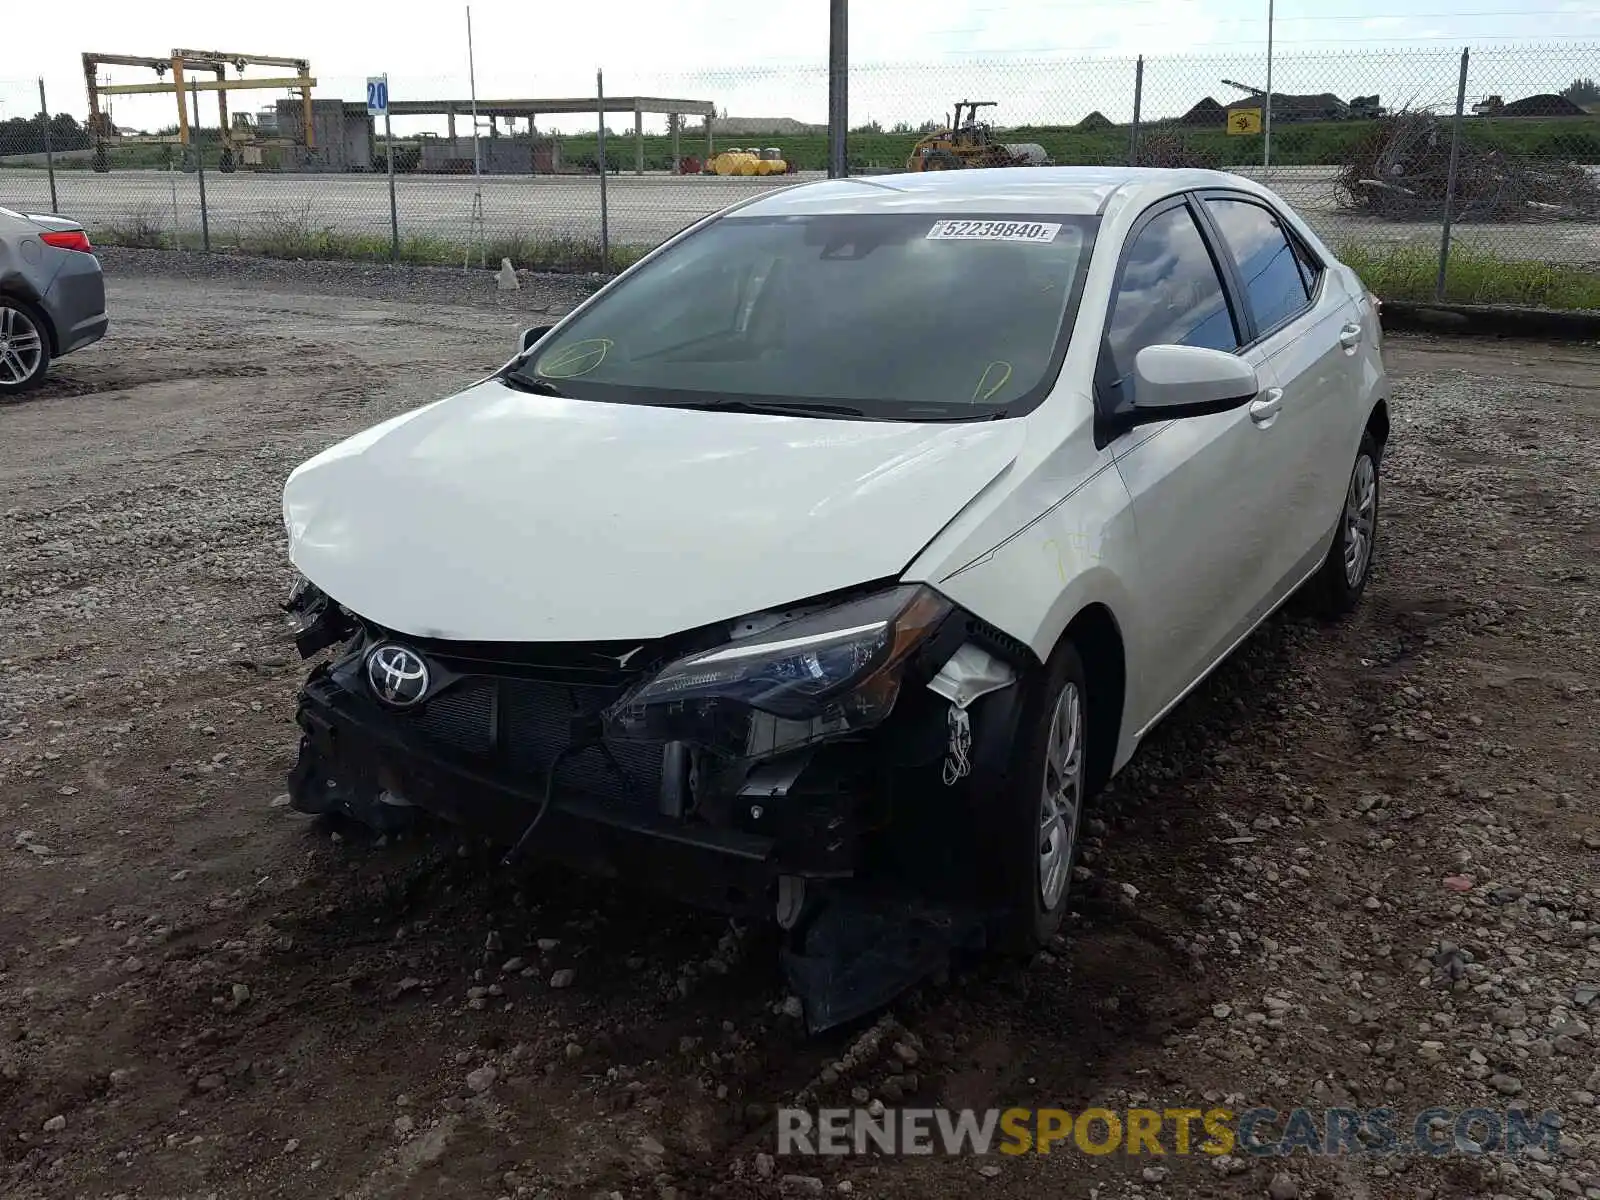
(200, 166)
(1266, 120)
(1138, 104)
(394, 209)
(49, 156)
(638, 139)
(838, 88)
(1450, 179)
(172, 178)
(605, 217)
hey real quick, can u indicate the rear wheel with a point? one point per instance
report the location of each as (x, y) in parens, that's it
(24, 346)
(1038, 813)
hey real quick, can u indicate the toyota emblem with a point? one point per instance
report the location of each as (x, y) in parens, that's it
(397, 676)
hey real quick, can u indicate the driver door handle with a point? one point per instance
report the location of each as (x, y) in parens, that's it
(1266, 406)
(1350, 336)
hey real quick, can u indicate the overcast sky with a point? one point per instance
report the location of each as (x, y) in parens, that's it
(768, 58)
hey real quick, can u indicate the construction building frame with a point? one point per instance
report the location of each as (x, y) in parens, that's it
(529, 109)
(183, 62)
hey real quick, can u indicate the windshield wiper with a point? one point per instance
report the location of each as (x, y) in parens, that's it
(776, 408)
(525, 383)
(914, 413)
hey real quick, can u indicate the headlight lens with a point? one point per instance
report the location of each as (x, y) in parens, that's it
(818, 676)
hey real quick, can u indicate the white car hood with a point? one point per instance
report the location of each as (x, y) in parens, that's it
(497, 515)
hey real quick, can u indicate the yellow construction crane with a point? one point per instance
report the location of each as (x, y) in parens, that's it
(181, 62)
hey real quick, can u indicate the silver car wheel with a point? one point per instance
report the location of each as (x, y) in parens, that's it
(1360, 516)
(1062, 795)
(21, 346)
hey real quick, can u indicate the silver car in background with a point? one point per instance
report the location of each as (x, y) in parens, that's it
(52, 296)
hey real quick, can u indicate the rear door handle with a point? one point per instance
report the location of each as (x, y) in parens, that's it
(1350, 336)
(1266, 406)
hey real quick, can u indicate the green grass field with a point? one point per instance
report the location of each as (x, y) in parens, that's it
(1572, 139)
(1474, 277)
(1575, 139)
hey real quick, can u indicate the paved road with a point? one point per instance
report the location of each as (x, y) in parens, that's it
(641, 209)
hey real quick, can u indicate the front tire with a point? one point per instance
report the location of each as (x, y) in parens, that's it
(1339, 585)
(24, 347)
(1034, 845)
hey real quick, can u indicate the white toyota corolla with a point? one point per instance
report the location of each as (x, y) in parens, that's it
(850, 540)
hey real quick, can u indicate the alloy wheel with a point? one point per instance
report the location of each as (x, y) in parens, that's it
(1360, 516)
(21, 346)
(1061, 801)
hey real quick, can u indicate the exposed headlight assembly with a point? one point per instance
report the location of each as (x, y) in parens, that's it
(315, 620)
(821, 675)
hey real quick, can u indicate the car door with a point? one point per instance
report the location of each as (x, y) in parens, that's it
(1202, 488)
(1310, 332)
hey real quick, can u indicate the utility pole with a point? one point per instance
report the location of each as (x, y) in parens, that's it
(472, 84)
(475, 225)
(600, 153)
(388, 142)
(838, 87)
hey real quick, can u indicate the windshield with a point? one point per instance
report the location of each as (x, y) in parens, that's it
(891, 316)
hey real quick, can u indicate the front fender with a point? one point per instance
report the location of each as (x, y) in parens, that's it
(1034, 583)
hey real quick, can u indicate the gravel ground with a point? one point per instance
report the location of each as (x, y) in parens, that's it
(1357, 868)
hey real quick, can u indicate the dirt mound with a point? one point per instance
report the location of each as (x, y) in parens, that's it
(1543, 105)
(1206, 112)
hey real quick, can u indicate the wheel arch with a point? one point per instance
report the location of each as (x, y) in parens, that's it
(1097, 636)
(1378, 423)
(16, 287)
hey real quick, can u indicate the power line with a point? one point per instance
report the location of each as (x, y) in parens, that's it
(1328, 45)
(1116, 6)
(1539, 12)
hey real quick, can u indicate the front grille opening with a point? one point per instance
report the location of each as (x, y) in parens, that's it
(462, 717)
(520, 725)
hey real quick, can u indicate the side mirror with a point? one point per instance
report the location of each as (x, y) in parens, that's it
(531, 336)
(1189, 381)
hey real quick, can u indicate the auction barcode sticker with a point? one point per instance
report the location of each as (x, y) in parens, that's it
(994, 231)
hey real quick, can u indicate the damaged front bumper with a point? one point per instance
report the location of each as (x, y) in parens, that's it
(364, 762)
(840, 833)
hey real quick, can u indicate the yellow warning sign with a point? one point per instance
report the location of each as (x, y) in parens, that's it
(1244, 120)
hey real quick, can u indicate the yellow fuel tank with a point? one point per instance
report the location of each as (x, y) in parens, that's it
(734, 162)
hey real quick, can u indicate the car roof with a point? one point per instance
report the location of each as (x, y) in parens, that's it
(1066, 191)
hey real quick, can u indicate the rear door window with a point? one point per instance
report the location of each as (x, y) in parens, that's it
(1274, 286)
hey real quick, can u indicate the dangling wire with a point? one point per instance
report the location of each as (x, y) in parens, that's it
(957, 765)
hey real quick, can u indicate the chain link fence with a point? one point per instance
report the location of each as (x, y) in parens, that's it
(1391, 155)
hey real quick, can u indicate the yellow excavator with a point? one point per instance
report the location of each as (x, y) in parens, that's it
(969, 142)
